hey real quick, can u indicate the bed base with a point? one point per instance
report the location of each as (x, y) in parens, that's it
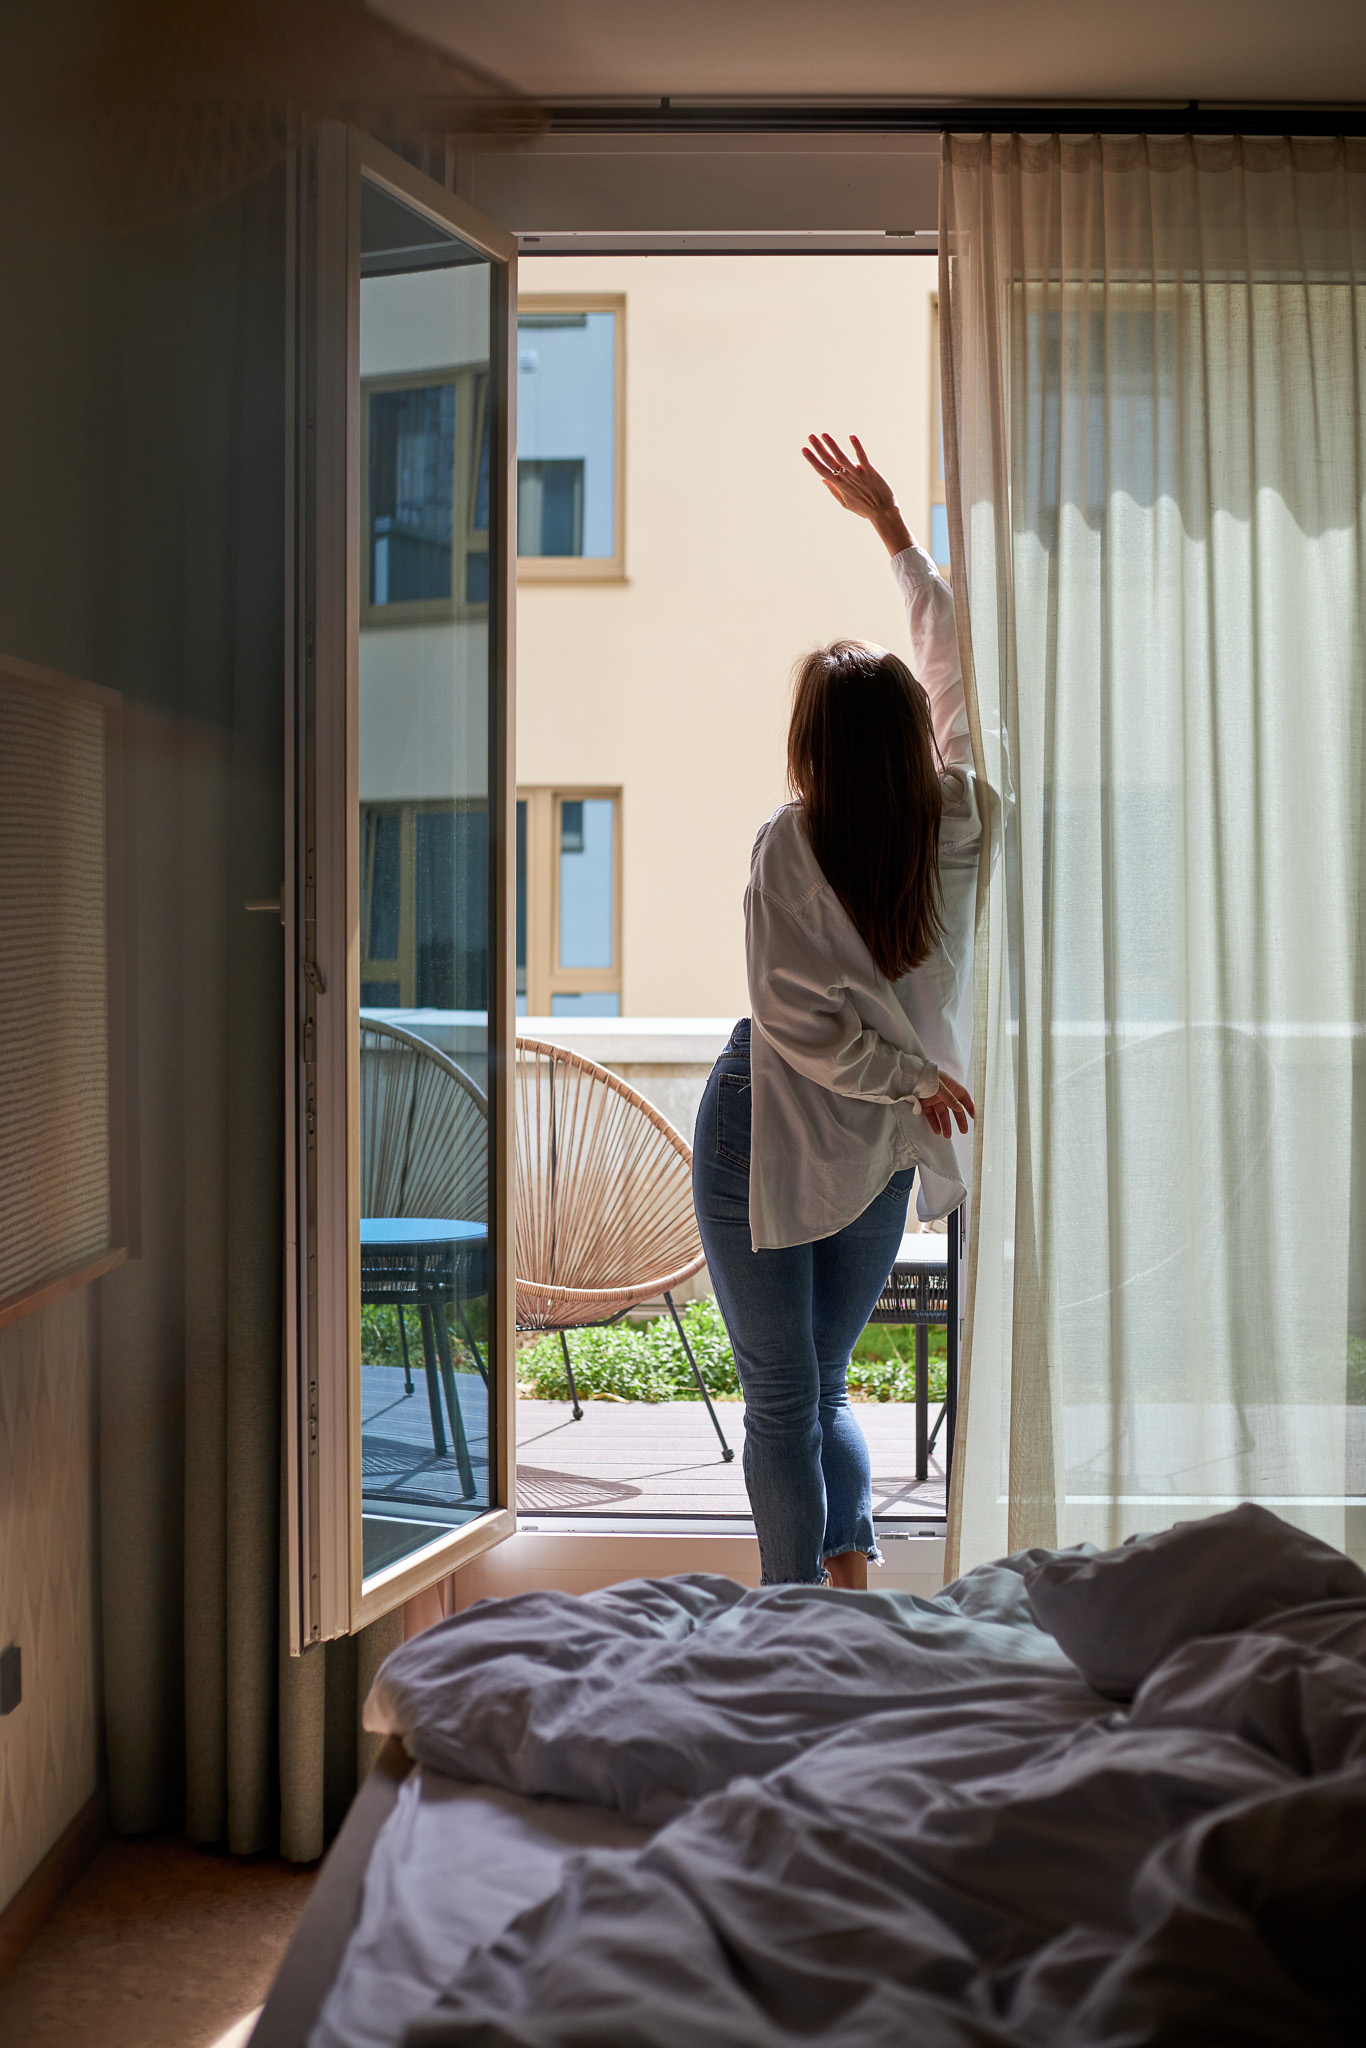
(314, 1955)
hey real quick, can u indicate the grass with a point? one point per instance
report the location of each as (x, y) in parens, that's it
(645, 1361)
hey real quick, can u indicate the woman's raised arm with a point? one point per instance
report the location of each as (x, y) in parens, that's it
(862, 490)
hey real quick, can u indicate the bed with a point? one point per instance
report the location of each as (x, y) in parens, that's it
(1103, 1798)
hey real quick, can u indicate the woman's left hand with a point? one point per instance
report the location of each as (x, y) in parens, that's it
(949, 1104)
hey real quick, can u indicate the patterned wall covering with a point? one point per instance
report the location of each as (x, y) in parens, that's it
(54, 981)
(49, 1747)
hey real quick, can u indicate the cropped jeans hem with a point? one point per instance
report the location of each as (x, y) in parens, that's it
(868, 1550)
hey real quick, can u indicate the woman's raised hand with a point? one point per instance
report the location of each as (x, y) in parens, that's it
(860, 488)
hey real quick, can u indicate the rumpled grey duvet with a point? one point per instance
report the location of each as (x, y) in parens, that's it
(888, 1820)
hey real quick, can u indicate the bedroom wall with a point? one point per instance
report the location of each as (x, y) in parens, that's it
(49, 1746)
(542, 1557)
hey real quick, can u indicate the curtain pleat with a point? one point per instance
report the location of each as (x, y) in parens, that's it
(1153, 374)
(210, 1723)
(142, 1341)
(324, 1751)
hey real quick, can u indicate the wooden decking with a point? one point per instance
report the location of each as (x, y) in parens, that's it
(624, 1458)
(663, 1459)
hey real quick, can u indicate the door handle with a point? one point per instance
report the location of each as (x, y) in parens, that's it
(274, 904)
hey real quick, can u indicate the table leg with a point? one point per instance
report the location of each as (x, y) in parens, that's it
(956, 1276)
(437, 1312)
(403, 1346)
(922, 1401)
(469, 1339)
(424, 1317)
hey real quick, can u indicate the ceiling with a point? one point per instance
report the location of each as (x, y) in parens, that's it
(1005, 51)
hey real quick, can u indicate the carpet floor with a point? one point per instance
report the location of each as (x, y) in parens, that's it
(159, 1945)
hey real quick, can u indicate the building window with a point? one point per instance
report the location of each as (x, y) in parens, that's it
(424, 906)
(550, 507)
(939, 511)
(568, 903)
(425, 485)
(570, 442)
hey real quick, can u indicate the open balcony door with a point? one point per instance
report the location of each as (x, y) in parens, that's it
(399, 904)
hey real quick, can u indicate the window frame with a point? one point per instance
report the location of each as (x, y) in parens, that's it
(938, 486)
(588, 568)
(545, 978)
(471, 404)
(327, 1593)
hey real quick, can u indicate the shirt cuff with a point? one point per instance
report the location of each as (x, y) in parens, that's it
(912, 563)
(927, 1085)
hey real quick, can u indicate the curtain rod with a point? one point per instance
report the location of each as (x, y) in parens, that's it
(700, 117)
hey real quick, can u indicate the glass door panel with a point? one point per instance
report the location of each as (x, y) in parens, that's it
(427, 1423)
(399, 898)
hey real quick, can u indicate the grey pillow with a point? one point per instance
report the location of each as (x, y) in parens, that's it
(1118, 1613)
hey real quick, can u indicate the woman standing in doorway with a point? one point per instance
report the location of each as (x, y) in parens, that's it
(850, 1076)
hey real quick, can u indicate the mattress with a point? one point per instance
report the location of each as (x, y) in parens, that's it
(451, 1868)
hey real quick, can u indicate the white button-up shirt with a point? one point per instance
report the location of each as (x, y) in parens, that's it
(840, 1055)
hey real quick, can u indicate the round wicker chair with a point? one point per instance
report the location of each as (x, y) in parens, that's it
(604, 1202)
(424, 1130)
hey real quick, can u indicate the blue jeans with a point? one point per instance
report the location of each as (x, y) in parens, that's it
(793, 1316)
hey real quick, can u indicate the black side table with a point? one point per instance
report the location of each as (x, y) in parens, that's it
(423, 1262)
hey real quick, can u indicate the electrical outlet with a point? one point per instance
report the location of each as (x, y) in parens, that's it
(11, 1678)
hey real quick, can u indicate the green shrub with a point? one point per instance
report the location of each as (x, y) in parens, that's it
(379, 1339)
(634, 1361)
(1356, 1371)
(646, 1362)
(883, 1364)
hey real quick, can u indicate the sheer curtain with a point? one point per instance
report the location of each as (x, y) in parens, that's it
(1154, 364)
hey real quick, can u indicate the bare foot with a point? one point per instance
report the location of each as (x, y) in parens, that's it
(848, 1571)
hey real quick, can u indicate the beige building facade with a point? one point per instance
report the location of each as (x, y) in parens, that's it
(656, 681)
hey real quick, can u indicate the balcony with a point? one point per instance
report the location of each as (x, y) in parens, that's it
(645, 1445)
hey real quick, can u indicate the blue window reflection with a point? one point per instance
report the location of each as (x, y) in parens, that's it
(412, 479)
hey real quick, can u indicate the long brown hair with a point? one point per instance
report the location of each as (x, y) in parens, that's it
(861, 758)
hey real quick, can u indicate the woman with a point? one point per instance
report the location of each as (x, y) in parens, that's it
(858, 921)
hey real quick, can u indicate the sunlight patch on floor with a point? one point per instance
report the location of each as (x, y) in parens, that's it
(239, 2033)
